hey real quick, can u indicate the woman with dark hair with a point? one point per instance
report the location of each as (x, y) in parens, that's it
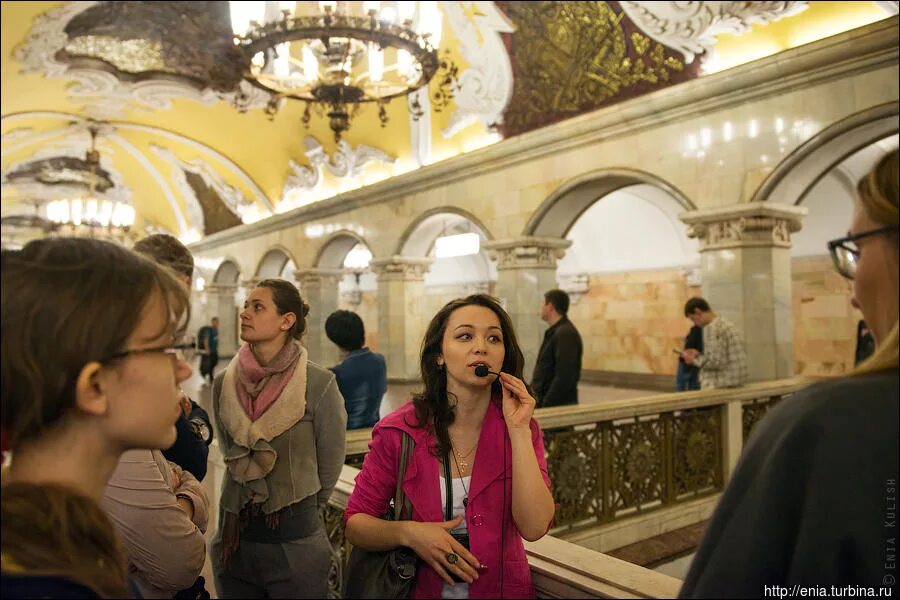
(477, 477)
(812, 501)
(281, 425)
(80, 386)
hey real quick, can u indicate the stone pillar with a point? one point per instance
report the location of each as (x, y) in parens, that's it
(401, 318)
(745, 262)
(221, 303)
(319, 288)
(526, 268)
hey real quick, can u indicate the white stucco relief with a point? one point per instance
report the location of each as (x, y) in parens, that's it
(232, 196)
(691, 27)
(486, 87)
(345, 163)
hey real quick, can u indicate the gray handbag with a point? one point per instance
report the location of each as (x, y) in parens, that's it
(390, 573)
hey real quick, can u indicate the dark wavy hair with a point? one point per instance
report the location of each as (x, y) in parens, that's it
(433, 407)
(287, 299)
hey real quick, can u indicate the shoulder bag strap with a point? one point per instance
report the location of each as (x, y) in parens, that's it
(402, 506)
(448, 485)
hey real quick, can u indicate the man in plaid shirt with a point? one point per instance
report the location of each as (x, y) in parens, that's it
(723, 362)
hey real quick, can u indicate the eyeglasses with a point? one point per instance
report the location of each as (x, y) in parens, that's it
(845, 252)
(178, 351)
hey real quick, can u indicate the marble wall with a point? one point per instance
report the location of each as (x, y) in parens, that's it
(824, 320)
(630, 322)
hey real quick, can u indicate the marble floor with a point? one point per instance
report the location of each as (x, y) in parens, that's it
(396, 395)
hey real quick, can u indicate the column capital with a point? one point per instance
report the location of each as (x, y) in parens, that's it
(318, 276)
(757, 224)
(527, 252)
(221, 288)
(408, 268)
(249, 284)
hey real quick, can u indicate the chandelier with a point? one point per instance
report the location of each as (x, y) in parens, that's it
(336, 56)
(91, 215)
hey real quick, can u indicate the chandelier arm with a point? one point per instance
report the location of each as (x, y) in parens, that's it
(344, 38)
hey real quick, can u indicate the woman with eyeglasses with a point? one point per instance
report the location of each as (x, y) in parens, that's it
(812, 502)
(158, 506)
(281, 428)
(88, 372)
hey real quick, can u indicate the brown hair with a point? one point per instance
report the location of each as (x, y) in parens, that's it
(51, 530)
(67, 302)
(432, 404)
(169, 251)
(287, 299)
(559, 300)
(878, 193)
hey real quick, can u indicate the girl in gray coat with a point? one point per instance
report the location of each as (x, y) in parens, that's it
(281, 425)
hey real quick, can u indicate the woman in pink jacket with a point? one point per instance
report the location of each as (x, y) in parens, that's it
(473, 421)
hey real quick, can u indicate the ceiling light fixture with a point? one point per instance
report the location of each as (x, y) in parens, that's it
(340, 55)
(90, 215)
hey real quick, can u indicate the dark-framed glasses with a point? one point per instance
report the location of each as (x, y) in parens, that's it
(177, 351)
(845, 252)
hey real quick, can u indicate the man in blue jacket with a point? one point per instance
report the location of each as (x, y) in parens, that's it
(362, 374)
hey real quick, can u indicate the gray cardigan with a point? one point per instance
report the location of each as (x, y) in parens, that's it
(296, 449)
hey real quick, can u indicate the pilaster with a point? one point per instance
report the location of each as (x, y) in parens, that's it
(526, 269)
(746, 277)
(401, 317)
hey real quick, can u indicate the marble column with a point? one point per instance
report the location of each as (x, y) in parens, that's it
(319, 288)
(401, 317)
(526, 269)
(221, 303)
(745, 260)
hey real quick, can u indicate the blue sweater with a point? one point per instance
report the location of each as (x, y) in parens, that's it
(362, 380)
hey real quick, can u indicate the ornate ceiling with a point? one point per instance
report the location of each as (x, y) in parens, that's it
(162, 80)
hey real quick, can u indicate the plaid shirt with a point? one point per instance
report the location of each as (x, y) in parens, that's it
(723, 362)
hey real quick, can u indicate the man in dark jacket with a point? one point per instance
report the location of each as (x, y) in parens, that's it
(558, 368)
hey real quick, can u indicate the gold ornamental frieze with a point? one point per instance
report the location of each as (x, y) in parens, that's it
(572, 57)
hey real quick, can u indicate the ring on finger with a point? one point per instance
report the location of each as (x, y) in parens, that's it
(452, 558)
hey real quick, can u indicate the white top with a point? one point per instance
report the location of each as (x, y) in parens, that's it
(457, 590)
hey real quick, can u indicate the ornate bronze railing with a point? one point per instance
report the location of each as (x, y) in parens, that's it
(611, 460)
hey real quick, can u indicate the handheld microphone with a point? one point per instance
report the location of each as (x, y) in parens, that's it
(483, 371)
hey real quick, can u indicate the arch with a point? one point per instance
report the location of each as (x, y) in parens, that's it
(227, 163)
(792, 179)
(421, 233)
(227, 273)
(556, 215)
(334, 250)
(273, 261)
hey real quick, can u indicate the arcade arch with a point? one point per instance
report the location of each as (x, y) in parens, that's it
(629, 269)
(825, 323)
(276, 263)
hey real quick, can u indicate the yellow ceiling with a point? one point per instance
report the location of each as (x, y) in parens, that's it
(251, 152)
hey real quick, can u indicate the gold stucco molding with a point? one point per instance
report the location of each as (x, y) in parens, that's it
(744, 225)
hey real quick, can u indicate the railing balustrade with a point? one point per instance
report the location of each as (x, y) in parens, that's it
(612, 460)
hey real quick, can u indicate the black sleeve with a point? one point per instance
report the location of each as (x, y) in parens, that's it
(804, 504)
(694, 339)
(567, 352)
(188, 452)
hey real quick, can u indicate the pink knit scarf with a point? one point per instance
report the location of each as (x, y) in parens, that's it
(259, 386)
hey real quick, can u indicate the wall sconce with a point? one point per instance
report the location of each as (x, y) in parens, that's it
(576, 286)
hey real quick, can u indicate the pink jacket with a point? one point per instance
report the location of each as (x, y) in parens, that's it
(493, 536)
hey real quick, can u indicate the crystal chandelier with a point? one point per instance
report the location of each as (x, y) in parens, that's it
(90, 215)
(336, 56)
